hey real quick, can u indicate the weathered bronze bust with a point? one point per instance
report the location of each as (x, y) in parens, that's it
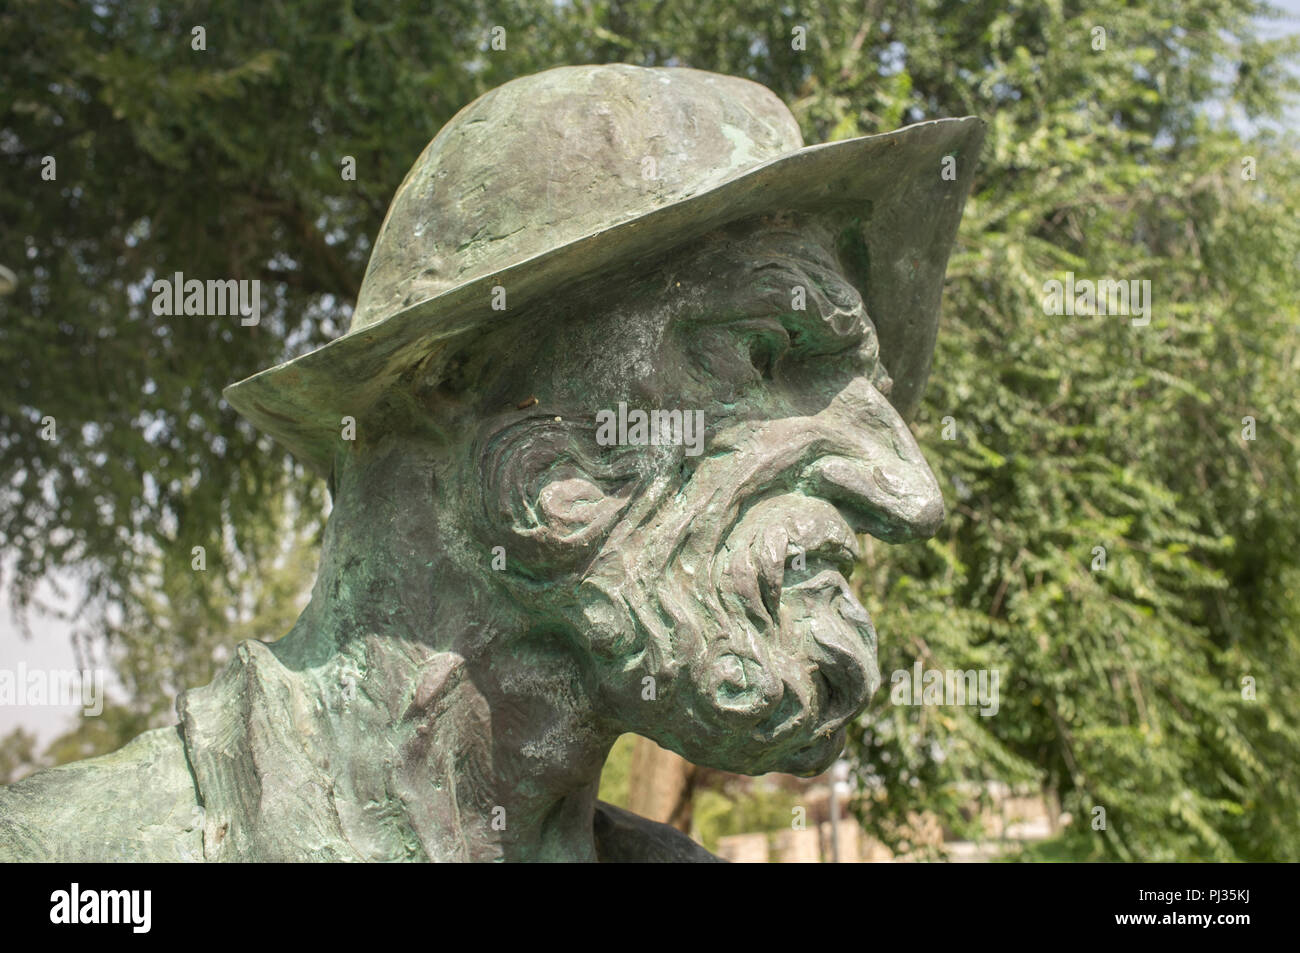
(628, 372)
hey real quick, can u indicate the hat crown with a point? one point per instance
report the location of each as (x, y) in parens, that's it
(551, 158)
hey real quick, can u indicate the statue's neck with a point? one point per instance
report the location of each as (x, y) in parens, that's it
(492, 743)
(408, 714)
(389, 749)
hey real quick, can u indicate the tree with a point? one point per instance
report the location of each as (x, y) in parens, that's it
(1121, 688)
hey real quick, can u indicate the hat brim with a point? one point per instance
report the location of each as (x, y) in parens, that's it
(900, 202)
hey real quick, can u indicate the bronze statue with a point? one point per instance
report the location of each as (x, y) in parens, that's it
(629, 371)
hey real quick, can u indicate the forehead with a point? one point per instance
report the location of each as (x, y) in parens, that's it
(772, 266)
(764, 267)
(610, 332)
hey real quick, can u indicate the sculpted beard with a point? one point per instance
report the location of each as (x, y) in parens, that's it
(730, 590)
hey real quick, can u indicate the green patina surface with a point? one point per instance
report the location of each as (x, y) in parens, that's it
(501, 594)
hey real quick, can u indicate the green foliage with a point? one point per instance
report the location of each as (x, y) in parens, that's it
(615, 778)
(18, 753)
(1120, 689)
(760, 808)
(720, 807)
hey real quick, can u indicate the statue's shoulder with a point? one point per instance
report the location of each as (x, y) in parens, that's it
(624, 837)
(136, 804)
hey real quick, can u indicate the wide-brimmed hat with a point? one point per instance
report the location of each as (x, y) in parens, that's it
(580, 170)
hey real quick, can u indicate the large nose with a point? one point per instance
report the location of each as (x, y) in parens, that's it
(873, 471)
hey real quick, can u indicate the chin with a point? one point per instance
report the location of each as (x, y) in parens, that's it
(812, 759)
(805, 757)
(816, 757)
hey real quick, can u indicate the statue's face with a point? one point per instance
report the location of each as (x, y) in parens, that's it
(709, 580)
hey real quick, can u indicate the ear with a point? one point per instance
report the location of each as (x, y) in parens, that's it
(548, 498)
(570, 516)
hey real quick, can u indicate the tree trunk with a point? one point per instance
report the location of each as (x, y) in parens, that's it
(660, 785)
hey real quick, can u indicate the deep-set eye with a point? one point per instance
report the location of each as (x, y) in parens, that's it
(766, 341)
(764, 356)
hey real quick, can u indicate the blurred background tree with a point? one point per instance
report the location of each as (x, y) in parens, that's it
(1114, 154)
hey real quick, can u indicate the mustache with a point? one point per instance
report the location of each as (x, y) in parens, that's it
(786, 569)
